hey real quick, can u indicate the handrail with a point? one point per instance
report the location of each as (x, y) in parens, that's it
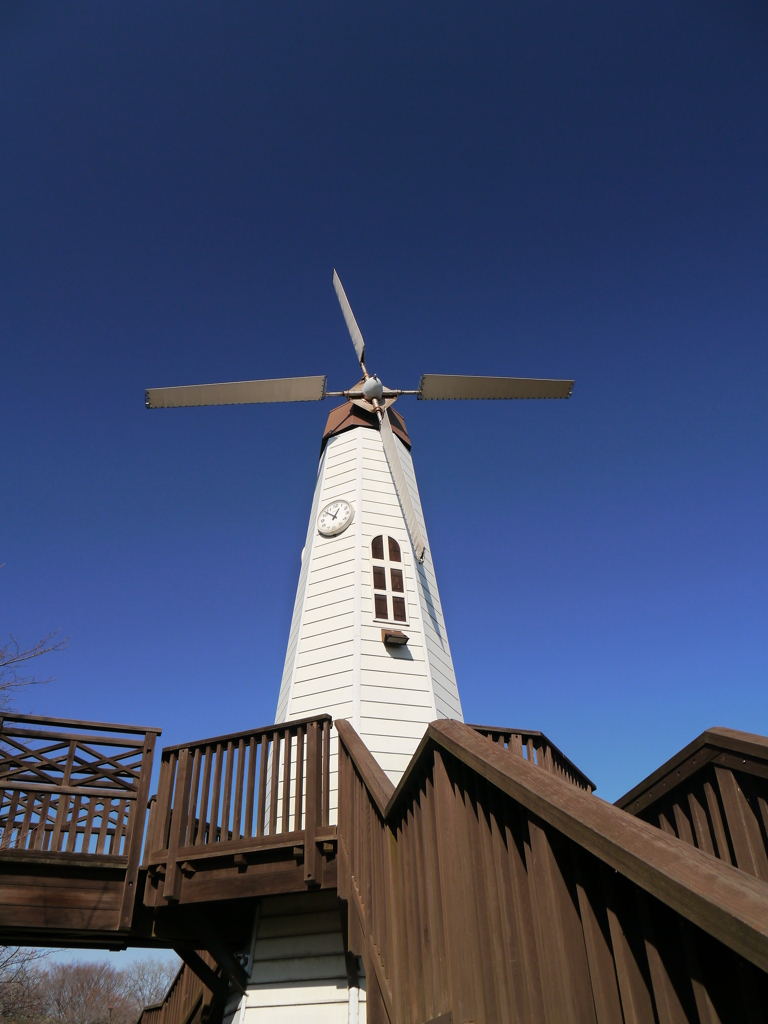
(241, 793)
(494, 859)
(537, 749)
(78, 723)
(262, 730)
(714, 896)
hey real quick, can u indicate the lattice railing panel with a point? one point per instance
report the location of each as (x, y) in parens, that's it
(63, 822)
(72, 787)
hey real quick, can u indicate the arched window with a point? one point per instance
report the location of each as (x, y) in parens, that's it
(388, 581)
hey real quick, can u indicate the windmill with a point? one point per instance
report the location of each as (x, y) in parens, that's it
(369, 393)
(368, 639)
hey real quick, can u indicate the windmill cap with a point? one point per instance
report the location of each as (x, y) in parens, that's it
(348, 416)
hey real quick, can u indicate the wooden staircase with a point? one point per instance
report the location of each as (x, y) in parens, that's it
(490, 885)
(485, 889)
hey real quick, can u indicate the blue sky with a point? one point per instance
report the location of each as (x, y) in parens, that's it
(545, 189)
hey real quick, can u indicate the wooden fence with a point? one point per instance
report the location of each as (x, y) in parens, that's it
(188, 999)
(241, 794)
(713, 794)
(537, 749)
(77, 789)
(483, 889)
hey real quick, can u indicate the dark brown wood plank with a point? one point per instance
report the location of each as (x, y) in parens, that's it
(103, 826)
(89, 825)
(192, 813)
(117, 834)
(594, 922)
(204, 813)
(273, 785)
(487, 996)
(669, 1008)
(299, 797)
(249, 796)
(312, 858)
(43, 818)
(44, 920)
(165, 796)
(517, 921)
(21, 841)
(72, 832)
(9, 821)
(213, 831)
(433, 900)
(499, 996)
(743, 827)
(33, 895)
(703, 833)
(704, 1005)
(713, 806)
(326, 772)
(172, 886)
(262, 810)
(447, 823)
(562, 954)
(238, 812)
(287, 747)
(226, 802)
(629, 956)
(63, 806)
(134, 836)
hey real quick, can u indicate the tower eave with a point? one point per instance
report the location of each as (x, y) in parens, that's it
(348, 416)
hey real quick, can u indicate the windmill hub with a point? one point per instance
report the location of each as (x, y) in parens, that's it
(373, 388)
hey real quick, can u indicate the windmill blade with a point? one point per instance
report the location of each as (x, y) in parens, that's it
(401, 486)
(449, 386)
(241, 392)
(349, 317)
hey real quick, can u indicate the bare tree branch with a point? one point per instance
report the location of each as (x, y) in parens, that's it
(78, 992)
(13, 655)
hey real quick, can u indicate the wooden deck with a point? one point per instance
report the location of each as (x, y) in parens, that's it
(235, 818)
(241, 816)
(490, 885)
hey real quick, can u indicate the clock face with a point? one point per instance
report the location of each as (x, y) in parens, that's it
(334, 518)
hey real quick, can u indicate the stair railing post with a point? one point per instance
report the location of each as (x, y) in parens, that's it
(313, 863)
(172, 887)
(135, 834)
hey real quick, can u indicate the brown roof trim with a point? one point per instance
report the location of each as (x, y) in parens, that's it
(348, 416)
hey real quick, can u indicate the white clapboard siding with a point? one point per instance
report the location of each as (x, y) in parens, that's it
(297, 972)
(336, 661)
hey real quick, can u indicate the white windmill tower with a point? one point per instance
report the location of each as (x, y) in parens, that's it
(368, 641)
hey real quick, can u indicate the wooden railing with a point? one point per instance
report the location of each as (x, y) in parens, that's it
(713, 794)
(188, 998)
(241, 794)
(539, 750)
(486, 890)
(75, 789)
